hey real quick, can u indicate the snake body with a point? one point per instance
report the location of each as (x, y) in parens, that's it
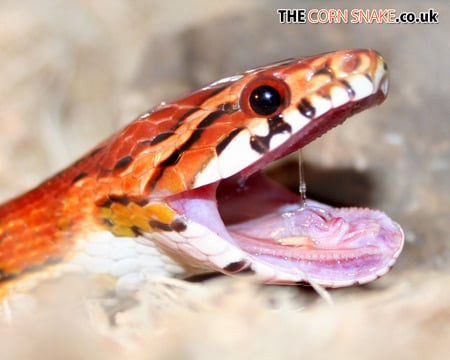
(178, 191)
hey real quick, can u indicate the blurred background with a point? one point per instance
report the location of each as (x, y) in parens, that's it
(74, 71)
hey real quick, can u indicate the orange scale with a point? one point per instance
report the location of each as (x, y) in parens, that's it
(193, 161)
(144, 164)
(131, 130)
(115, 187)
(121, 220)
(123, 148)
(141, 148)
(125, 231)
(109, 161)
(136, 210)
(131, 187)
(160, 212)
(101, 192)
(158, 115)
(171, 182)
(118, 209)
(139, 217)
(16, 227)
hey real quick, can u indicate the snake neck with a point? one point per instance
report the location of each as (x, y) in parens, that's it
(40, 227)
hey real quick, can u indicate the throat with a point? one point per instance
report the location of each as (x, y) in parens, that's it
(258, 196)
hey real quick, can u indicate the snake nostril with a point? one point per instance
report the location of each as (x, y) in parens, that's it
(350, 63)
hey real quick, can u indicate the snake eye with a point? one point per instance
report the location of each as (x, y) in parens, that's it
(264, 96)
(265, 100)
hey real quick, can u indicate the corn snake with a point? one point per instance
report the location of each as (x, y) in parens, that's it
(178, 191)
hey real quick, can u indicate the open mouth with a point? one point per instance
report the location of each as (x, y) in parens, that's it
(249, 223)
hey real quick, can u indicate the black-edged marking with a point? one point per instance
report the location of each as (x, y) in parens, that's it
(159, 225)
(124, 200)
(104, 202)
(235, 266)
(95, 151)
(257, 144)
(137, 231)
(178, 225)
(183, 117)
(80, 176)
(218, 90)
(202, 126)
(123, 162)
(277, 125)
(171, 160)
(350, 91)
(146, 142)
(141, 201)
(108, 222)
(225, 141)
(306, 109)
(141, 145)
(241, 266)
(325, 70)
(157, 174)
(161, 137)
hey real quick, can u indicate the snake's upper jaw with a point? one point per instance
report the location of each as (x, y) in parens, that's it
(257, 226)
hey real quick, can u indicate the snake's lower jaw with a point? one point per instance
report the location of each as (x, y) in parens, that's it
(257, 226)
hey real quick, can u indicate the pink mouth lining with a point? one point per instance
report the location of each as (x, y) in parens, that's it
(331, 245)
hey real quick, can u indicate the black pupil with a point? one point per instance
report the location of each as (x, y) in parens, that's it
(265, 100)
